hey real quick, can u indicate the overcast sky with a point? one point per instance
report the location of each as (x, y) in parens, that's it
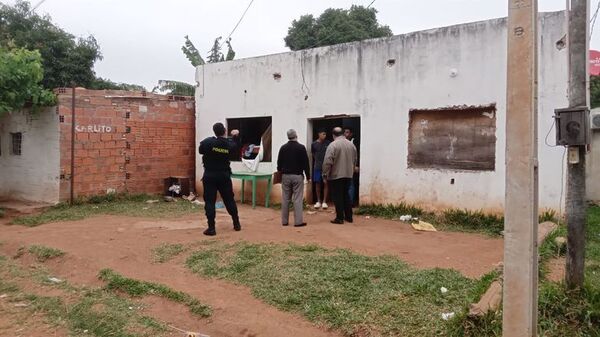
(141, 39)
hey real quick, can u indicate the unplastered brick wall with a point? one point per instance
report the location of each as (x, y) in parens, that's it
(124, 141)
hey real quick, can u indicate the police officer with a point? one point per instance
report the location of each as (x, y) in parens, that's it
(217, 175)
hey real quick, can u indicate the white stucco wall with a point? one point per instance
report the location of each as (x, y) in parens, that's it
(593, 165)
(35, 174)
(355, 79)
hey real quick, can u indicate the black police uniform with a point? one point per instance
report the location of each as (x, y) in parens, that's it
(217, 177)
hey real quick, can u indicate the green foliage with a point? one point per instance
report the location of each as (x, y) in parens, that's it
(136, 288)
(215, 55)
(106, 84)
(359, 295)
(475, 221)
(65, 58)
(82, 311)
(175, 88)
(20, 76)
(114, 204)
(335, 26)
(191, 52)
(167, 251)
(43, 253)
(594, 91)
(389, 211)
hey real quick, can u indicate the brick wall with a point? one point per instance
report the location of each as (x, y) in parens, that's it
(125, 141)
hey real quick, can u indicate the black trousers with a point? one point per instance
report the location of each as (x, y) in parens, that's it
(221, 182)
(341, 198)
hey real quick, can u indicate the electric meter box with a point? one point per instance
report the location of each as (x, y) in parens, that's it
(572, 126)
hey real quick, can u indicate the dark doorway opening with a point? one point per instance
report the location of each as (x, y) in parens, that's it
(327, 123)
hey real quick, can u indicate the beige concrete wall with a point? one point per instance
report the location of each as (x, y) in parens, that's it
(35, 174)
(593, 165)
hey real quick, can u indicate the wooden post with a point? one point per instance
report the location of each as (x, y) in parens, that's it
(576, 208)
(521, 206)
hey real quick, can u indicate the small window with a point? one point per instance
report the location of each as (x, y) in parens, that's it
(457, 138)
(253, 131)
(17, 139)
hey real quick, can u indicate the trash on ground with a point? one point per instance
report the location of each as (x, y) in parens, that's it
(169, 198)
(423, 226)
(198, 202)
(188, 333)
(175, 189)
(219, 205)
(406, 217)
(448, 315)
(190, 197)
(152, 201)
(444, 290)
(145, 208)
(21, 305)
(54, 280)
(311, 212)
(3, 296)
(367, 217)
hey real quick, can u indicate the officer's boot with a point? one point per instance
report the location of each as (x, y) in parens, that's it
(210, 231)
(236, 224)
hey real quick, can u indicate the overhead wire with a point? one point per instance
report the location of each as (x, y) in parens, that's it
(593, 20)
(238, 23)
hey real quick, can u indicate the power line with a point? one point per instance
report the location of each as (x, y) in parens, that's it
(593, 20)
(38, 5)
(370, 3)
(238, 23)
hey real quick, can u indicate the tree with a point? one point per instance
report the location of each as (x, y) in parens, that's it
(175, 88)
(65, 59)
(594, 91)
(335, 26)
(100, 83)
(215, 55)
(20, 76)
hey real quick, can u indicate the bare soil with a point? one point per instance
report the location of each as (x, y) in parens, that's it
(124, 244)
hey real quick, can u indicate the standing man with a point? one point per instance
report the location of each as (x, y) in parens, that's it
(217, 175)
(338, 168)
(291, 162)
(318, 149)
(352, 191)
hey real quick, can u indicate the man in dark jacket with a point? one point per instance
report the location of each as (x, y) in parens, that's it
(291, 162)
(217, 175)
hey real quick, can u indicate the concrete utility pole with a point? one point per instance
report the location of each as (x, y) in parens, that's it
(521, 206)
(576, 208)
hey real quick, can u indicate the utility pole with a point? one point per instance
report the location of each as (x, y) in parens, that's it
(576, 208)
(521, 205)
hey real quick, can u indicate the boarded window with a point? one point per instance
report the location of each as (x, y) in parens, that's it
(453, 138)
(253, 132)
(17, 139)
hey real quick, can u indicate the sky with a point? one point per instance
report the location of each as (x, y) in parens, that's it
(141, 39)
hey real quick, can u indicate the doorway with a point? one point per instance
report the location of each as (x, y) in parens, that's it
(327, 123)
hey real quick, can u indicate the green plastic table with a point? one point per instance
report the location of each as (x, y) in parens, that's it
(254, 176)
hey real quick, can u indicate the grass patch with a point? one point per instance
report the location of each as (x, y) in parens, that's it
(358, 295)
(2, 212)
(167, 251)
(138, 288)
(82, 311)
(112, 204)
(43, 253)
(450, 219)
(562, 313)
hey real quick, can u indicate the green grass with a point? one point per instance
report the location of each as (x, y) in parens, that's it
(112, 204)
(167, 251)
(43, 253)
(358, 295)
(2, 212)
(562, 313)
(82, 311)
(138, 288)
(450, 219)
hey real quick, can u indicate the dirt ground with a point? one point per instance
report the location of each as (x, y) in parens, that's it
(124, 244)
